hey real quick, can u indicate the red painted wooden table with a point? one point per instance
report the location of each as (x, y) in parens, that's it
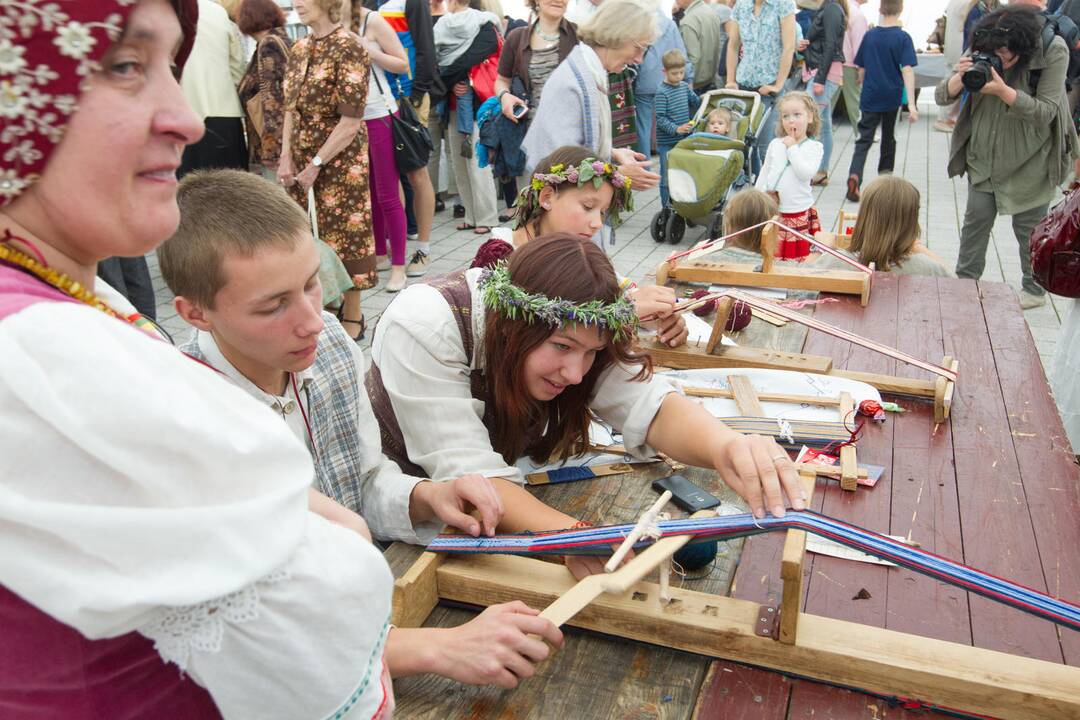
(995, 487)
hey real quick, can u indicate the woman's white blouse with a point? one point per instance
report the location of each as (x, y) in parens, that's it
(425, 371)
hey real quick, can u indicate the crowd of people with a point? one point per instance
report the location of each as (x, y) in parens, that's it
(155, 516)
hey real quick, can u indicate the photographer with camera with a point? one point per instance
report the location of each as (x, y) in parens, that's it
(1014, 136)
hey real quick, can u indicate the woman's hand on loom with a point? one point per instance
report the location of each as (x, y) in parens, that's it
(452, 500)
(761, 472)
(498, 647)
(654, 304)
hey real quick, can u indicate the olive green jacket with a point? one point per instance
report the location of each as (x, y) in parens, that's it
(1023, 152)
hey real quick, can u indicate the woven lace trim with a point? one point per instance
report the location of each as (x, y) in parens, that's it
(177, 631)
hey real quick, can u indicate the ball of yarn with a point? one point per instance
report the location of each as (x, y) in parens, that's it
(491, 252)
(705, 309)
(695, 555)
(739, 318)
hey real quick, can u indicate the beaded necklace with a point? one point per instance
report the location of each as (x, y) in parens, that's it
(54, 278)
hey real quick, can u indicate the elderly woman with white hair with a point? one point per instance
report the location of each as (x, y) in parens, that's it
(574, 108)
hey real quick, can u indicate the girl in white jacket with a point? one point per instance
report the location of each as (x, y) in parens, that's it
(790, 163)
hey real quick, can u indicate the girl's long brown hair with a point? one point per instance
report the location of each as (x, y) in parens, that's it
(888, 223)
(559, 265)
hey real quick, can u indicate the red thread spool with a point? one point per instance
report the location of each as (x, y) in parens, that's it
(872, 409)
(491, 252)
(707, 308)
(739, 318)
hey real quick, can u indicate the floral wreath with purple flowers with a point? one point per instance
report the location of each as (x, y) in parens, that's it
(504, 297)
(590, 170)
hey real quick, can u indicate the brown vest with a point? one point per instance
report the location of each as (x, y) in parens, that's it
(455, 290)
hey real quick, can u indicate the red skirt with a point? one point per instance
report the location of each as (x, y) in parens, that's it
(792, 247)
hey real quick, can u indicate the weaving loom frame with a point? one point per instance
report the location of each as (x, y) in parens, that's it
(717, 355)
(843, 282)
(784, 639)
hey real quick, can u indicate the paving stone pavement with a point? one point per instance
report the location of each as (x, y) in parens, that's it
(921, 158)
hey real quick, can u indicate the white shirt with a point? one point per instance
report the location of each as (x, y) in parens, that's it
(215, 66)
(425, 371)
(788, 171)
(386, 490)
(141, 491)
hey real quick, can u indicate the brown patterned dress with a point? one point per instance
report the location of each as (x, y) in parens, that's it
(327, 79)
(266, 74)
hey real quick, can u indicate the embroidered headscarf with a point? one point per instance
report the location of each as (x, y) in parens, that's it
(48, 49)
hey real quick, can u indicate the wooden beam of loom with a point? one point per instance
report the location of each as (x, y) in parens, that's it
(689, 357)
(841, 282)
(691, 267)
(834, 651)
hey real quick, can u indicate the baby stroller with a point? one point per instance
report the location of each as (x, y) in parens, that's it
(703, 167)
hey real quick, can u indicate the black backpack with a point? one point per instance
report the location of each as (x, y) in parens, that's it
(1065, 24)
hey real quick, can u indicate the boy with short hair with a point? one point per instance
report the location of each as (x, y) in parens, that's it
(676, 103)
(244, 268)
(886, 61)
(245, 271)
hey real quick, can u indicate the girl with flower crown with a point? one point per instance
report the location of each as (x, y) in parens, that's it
(563, 195)
(476, 369)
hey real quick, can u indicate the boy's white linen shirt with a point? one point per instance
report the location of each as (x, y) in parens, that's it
(420, 355)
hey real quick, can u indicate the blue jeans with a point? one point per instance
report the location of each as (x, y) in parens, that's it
(665, 196)
(766, 132)
(824, 103)
(645, 112)
(465, 117)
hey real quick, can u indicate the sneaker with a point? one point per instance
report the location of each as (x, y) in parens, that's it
(412, 236)
(440, 204)
(382, 263)
(418, 265)
(1029, 301)
(853, 188)
(459, 211)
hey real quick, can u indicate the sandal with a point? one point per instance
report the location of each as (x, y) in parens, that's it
(506, 216)
(481, 230)
(362, 323)
(465, 226)
(820, 178)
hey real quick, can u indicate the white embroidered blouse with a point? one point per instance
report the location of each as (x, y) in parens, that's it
(143, 492)
(420, 355)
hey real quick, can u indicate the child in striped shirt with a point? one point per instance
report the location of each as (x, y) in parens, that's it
(676, 103)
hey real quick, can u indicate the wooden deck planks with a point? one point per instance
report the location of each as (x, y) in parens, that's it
(996, 525)
(1051, 481)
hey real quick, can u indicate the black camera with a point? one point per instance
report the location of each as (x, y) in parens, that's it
(979, 72)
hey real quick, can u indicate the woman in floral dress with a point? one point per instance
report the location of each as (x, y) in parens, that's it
(324, 143)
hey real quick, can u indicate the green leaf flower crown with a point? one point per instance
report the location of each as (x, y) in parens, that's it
(590, 170)
(510, 301)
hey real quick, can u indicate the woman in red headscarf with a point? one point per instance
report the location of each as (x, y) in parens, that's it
(149, 510)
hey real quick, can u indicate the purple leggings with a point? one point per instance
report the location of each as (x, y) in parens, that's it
(387, 212)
